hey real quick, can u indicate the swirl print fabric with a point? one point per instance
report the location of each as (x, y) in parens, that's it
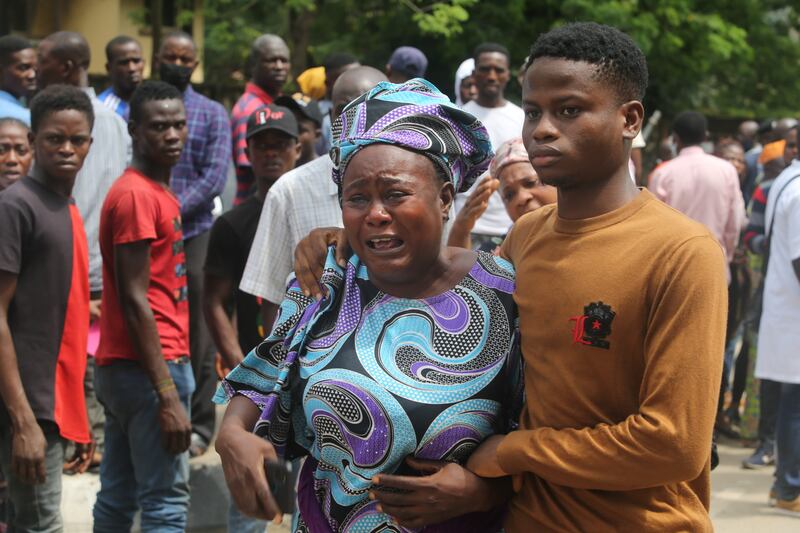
(362, 379)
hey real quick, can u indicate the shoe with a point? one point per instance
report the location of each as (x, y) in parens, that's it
(724, 427)
(788, 507)
(773, 498)
(198, 446)
(763, 457)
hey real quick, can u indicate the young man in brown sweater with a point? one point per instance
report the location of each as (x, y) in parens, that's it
(622, 304)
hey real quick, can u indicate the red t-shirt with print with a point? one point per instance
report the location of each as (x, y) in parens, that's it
(136, 209)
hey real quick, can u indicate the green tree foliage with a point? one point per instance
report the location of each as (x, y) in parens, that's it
(725, 57)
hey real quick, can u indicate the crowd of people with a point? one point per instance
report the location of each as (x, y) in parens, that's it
(457, 314)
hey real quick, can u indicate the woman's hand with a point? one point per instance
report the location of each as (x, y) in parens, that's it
(445, 491)
(483, 461)
(243, 461)
(473, 208)
(310, 254)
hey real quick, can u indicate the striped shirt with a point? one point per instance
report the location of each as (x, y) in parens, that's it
(301, 200)
(202, 170)
(107, 159)
(115, 103)
(254, 97)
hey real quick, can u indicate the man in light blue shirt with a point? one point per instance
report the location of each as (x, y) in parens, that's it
(125, 65)
(17, 76)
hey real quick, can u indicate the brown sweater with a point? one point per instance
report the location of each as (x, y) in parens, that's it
(622, 319)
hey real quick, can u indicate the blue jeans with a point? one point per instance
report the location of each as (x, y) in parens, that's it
(136, 471)
(35, 508)
(239, 523)
(787, 440)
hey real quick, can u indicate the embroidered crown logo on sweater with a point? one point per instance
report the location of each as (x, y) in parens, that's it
(594, 325)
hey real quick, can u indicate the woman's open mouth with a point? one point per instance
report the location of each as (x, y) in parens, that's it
(384, 244)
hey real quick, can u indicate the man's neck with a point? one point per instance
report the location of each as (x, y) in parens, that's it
(597, 199)
(12, 93)
(273, 92)
(59, 187)
(121, 93)
(154, 172)
(263, 186)
(491, 101)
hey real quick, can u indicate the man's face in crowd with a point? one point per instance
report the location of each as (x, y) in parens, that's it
(733, 154)
(271, 67)
(491, 75)
(61, 143)
(15, 153)
(308, 134)
(126, 67)
(272, 154)
(19, 75)
(178, 51)
(575, 124)
(161, 132)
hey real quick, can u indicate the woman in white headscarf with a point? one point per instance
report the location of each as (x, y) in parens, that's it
(465, 88)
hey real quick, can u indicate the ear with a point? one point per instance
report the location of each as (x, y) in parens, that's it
(131, 128)
(446, 196)
(633, 114)
(298, 150)
(108, 68)
(67, 67)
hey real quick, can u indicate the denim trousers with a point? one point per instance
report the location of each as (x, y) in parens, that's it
(787, 441)
(34, 508)
(136, 471)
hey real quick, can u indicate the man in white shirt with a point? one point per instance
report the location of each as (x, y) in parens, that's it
(779, 335)
(502, 119)
(301, 200)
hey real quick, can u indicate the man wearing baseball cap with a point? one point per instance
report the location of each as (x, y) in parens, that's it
(309, 123)
(406, 63)
(233, 316)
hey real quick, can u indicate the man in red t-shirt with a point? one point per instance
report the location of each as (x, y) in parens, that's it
(144, 379)
(44, 314)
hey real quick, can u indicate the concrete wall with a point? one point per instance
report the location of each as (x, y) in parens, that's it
(102, 20)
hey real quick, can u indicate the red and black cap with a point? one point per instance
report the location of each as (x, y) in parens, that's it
(272, 117)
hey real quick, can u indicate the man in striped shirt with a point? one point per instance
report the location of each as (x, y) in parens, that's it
(125, 65)
(269, 66)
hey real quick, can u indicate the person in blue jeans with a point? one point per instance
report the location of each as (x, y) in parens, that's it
(144, 379)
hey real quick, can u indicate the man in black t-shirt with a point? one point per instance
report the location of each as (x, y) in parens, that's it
(232, 315)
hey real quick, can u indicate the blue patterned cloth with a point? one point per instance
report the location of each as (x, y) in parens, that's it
(202, 170)
(417, 116)
(362, 379)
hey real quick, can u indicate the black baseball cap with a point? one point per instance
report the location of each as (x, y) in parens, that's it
(305, 105)
(272, 117)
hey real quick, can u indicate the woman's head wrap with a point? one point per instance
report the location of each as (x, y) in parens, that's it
(416, 116)
(510, 152)
(771, 151)
(464, 71)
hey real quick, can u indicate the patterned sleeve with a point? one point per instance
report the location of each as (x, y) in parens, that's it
(265, 374)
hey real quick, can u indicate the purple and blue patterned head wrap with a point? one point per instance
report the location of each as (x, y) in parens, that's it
(414, 115)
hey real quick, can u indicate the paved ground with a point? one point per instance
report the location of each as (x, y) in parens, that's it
(738, 500)
(739, 497)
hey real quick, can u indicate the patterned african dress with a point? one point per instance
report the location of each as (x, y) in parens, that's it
(361, 380)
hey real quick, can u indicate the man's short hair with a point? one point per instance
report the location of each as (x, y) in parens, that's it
(338, 60)
(491, 48)
(60, 97)
(119, 40)
(149, 91)
(690, 127)
(178, 34)
(620, 62)
(11, 44)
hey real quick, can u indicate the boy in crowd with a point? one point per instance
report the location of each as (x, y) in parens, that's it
(143, 378)
(273, 149)
(44, 288)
